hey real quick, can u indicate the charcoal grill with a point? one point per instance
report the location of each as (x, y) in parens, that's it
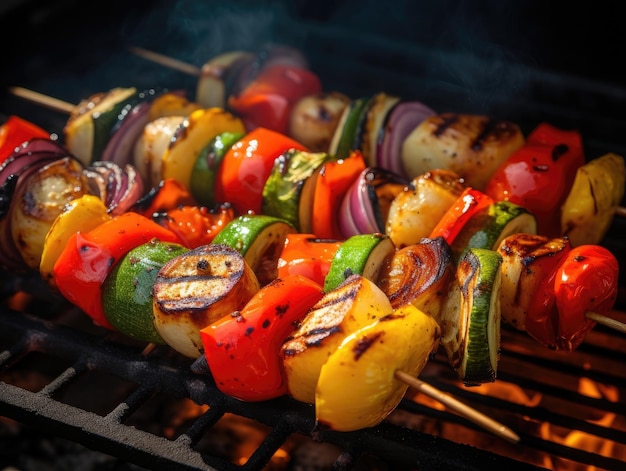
(356, 49)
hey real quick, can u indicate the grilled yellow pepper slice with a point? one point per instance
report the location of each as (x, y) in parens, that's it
(191, 137)
(357, 387)
(598, 189)
(355, 303)
(79, 215)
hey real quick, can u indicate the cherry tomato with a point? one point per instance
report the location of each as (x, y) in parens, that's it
(195, 225)
(539, 175)
(587, 280)
(468, 204)
(334, 180)
(308, 256)
(247, 165)
(270, 98)
(242, 349)
(14, 132)
(87, 259)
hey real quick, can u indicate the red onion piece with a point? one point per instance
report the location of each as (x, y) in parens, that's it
(365, 205)
(10, 257)
(118, 187)
(364, 198)
(134, 191)
(402, 120)
(347, 225)
(119, 148)
(29, 153)
(17, 164)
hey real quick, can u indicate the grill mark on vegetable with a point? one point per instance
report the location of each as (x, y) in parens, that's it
(496, 130)
(364, 344)
(446, 122)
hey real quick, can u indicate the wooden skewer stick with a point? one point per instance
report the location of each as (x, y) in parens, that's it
(65, 107)
(43, 100)
(462, 409)
(606, 321)
(620, 211)
(167, 61)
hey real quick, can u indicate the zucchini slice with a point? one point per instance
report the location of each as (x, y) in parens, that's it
(362, 254)
(472, 315)
(347, 136)
(88, 128)
(283, 188)
(490, 227)
(260, 239)
(202, 181)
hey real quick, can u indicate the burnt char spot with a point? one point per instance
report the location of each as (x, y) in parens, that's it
(497, 130)
(559, 151)
(446, 122)
(364, 344)
(203, 264)
(282, 309)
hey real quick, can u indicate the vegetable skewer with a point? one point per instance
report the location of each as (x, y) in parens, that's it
(65, 107)
(426, 137)
(120, 246)
(607, 322)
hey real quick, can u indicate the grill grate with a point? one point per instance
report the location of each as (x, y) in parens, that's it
(23, 333)
(73, 360)
(112, 430)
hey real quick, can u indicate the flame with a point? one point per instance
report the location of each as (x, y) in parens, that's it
(584, 441)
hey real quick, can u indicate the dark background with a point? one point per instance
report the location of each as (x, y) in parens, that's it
(70, 49)
(526, 61)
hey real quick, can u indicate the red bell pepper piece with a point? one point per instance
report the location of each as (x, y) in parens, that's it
(246, 167)
(242, 350)
(168, 194)
(88, 258)
(334, 180)
(587, 280)
(308, 256)
(270, 98)
(539, 175)
(195, 225)
(542, 313)
(14, 132)
(468, 204)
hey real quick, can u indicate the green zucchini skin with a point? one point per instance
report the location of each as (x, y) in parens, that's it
(490, 227)
(282, 192)
(350, 128)
(362, 254)
(472, 317)
(260, 238)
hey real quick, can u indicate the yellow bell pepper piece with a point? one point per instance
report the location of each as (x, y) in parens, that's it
(79, 215)
(171, 104)
(357, 387)
(597, 191)
(192, 136)
(355, 303)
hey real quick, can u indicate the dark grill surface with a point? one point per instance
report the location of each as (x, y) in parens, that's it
(63, 376)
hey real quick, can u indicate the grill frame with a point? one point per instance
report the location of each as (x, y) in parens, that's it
(560, 97)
